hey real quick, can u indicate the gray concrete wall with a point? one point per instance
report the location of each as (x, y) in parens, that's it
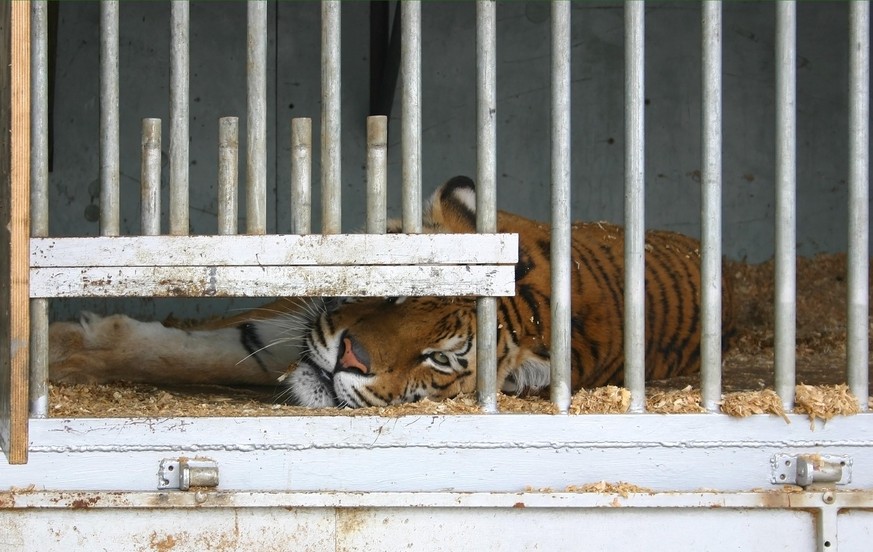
(672, 114)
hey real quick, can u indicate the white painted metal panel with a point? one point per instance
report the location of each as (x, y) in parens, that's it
(194, 530)
(373, 530)
(330, 250)
(855, 529)
(428, 521)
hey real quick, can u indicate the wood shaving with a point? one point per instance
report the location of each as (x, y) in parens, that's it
(604, 487)
(681, 401)
(602, 400)
(745, 403)
(824, 401)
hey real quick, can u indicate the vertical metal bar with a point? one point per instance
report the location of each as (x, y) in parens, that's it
(39, 203)
(331, 127)
(256, 123)
(710, 345)
(634, 207)
(179, 96)
(857, 346)
(377, 174)
(486, 192)
(150, 177)
(410, 63)
(110, 170)
(785, 265)
(228, 175)
(301, 175)
(560, 249)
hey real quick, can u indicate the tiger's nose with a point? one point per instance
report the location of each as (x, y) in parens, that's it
(353, 356)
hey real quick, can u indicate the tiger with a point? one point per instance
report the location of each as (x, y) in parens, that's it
(360, 352)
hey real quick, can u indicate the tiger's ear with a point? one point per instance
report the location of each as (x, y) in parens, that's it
(452, 207)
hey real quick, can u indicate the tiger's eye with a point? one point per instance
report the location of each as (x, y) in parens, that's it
(440, 358)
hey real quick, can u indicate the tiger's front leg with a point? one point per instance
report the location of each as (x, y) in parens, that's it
(252, 349)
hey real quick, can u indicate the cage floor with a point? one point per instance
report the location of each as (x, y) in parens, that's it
(748, 366)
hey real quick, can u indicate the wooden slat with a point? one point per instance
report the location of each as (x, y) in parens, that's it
(15, 231)
(272, 281)
(351, 249)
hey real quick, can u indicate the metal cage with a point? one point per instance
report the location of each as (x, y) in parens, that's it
(361, 482)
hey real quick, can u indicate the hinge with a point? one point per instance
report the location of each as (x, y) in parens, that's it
(184, 473)
(805, 469)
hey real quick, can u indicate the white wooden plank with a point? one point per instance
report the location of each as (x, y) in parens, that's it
(468, 431)
(347, 249)
(272, 281)
(476, 453)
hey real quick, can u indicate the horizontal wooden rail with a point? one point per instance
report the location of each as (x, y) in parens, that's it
(275, 265)
(322, 250)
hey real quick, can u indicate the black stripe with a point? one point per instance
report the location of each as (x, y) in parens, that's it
(252, 343)
(606, 278)
(615, 285)
(680, 341)
(452, 380)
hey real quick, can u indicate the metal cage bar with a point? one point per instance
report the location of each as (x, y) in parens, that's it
(410, 62)
(786, 201)
(634, 207)
(331, 127)
(301, 175)
(377, 174)
(711, 185)
(228, 175)
(150, 178)
(39, 202)
(179, 117)
(486, 191)
(256, 122)
(560, 247)
(857, 344)
(110, 168)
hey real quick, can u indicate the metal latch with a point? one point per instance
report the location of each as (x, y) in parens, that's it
(184, 473)
(806, 469)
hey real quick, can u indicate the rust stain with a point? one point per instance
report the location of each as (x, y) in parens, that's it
(518, 505)
(162, 545)
(350, 520)
(84, 502)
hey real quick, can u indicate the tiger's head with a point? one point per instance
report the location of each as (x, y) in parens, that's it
(381, 351)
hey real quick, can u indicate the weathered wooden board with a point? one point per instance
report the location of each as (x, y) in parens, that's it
(273, 281)
(14, 226)
(322, 250)
(428, 453)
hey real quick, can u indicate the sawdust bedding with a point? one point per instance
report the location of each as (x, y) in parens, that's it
(747, 376)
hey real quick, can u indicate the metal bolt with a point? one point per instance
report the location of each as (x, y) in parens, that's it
(201, 496)
(828, 497)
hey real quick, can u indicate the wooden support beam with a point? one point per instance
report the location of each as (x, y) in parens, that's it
(14, 228)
